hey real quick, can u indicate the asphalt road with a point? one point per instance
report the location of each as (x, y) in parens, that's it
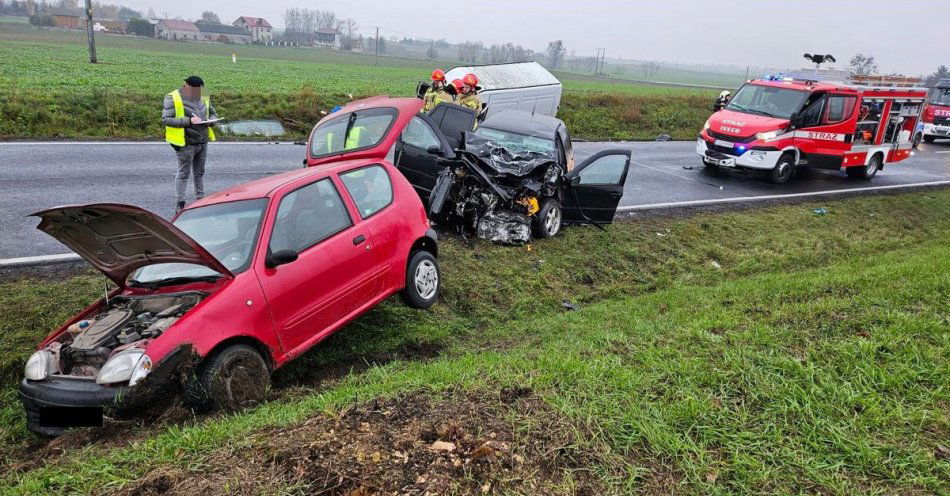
(35, 176)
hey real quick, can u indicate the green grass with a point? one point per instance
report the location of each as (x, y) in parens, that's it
(802, 365)
(51, 91)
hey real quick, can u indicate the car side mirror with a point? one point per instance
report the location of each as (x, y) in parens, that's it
(435, 150)
(794, 120)
(282, 257)
(575, 180)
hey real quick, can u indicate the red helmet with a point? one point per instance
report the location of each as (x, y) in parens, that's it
(470, 79)
(438, 75)
(458, 84)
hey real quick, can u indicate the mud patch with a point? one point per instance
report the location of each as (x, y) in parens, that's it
(454, 443)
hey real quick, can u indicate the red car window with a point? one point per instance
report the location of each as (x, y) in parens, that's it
(307, 216)
(370, 188)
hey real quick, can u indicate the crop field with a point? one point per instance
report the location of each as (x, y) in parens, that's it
(51, 91)
(794, 364)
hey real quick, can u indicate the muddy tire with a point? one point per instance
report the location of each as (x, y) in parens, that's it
(233, 378)
(423, 281)
(548, 220)
(783, 170)
(866, 172)
(929, 139)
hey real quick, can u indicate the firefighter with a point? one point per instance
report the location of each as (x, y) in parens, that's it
(722, 100)
(469, 93)
(436, 94)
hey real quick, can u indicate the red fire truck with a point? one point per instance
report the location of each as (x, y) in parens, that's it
(776, 125)
(937, 112)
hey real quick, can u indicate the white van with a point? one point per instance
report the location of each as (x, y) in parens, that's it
(525, 86)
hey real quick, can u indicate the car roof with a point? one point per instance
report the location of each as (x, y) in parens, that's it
(266, 186)
(521, 122)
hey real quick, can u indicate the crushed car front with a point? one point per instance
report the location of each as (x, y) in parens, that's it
(174, 283)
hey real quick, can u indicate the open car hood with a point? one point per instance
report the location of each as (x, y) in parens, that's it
(406, 109)
(118, 239)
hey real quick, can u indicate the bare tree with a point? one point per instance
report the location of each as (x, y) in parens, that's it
(350, 33)
(210, 17)
(650, 69)
(470, 50)
(863, 64)
(556, 51)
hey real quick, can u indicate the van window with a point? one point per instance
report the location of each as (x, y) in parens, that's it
(840, 108)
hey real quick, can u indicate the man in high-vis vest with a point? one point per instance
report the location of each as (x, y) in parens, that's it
(183, 115)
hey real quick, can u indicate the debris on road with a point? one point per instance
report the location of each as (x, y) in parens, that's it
(664, 137)
(820, 211)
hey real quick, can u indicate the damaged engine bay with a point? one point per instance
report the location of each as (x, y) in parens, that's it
(495, 192)
(125, 322)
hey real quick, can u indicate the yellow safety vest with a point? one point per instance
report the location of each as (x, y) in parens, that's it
(176, 135)
(352, 140)
(433, 98)
(471, 100)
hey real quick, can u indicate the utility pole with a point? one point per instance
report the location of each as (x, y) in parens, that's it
(375, 48)
(91, 33)
(599, 66)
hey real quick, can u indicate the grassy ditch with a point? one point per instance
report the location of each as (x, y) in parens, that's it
(698, 351)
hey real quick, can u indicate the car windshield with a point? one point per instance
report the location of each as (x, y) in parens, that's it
(229, 231)
(941, 96)
(353, 131)
(767, 100)
(515, 142)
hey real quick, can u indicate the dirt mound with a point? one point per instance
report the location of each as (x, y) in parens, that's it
(417, 444)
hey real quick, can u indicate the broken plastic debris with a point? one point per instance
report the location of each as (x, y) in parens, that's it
(664, 137)
(442, 446)
(568, 305)
(820, 211)
(714, 264)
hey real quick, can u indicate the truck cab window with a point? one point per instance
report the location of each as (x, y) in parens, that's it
(840, 108)
(813, 110)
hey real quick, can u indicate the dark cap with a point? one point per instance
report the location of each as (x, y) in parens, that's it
(194, 81)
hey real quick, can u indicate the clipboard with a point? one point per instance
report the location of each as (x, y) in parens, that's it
(209, 121)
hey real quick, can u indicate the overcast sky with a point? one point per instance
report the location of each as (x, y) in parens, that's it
(908, 36)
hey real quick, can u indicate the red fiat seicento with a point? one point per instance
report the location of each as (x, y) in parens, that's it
(237, 285)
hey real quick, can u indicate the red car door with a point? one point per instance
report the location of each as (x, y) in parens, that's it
(828, 129)
(370, 188)
(333, 274)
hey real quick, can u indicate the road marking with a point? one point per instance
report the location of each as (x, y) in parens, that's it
(40, 260)
(945, 151)
(676, 175)
(742, 199)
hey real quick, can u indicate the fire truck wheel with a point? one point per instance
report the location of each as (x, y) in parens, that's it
(929, 139)
(916, 142)
(866, 172)
(783, 170)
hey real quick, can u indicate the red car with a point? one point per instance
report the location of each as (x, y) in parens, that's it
(236, 286)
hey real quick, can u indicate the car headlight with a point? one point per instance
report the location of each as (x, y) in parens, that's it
(39, 365)
(129, 365)
(766, 136)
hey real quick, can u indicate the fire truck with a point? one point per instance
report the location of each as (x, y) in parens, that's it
(937, 112)
(776, 125)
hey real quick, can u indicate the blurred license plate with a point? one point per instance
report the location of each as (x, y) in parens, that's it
(727, 144)
(61, 416)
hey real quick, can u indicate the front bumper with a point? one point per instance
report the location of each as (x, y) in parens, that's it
(61, 395)
(935, 130)
(750, 159)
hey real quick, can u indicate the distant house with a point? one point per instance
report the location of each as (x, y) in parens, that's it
(220, 32)
(176, 30)
(261, 30)
(67, 19)
(328, 38)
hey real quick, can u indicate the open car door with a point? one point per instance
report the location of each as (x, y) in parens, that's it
(595, 187)
(420, 152)
(453, 120)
